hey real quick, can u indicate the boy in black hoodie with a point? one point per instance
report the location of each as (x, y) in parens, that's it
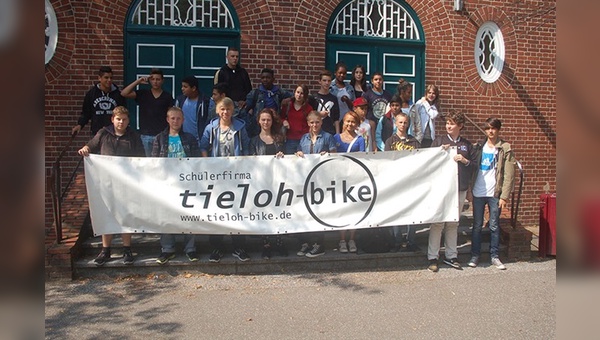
(99, 102)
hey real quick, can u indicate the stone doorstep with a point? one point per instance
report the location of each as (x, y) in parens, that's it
(147, 247)
(331, 261)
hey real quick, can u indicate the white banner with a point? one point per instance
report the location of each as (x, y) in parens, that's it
(266, 195)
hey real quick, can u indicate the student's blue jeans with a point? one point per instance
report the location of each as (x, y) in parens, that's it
(147, 141)
(479, 204)
(291, 146)
(411, 233)
(167, 243)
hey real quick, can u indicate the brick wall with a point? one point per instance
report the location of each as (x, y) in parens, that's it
(289, 36)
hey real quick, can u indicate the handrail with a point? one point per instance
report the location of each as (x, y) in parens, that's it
(474, 124)
(514, 211)
(55, 187)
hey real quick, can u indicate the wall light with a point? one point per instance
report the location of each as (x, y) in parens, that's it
(458, 5)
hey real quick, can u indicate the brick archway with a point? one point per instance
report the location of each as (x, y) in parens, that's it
(66, 41)
(476, 19)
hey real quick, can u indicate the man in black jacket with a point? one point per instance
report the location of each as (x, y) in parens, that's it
(236, 78)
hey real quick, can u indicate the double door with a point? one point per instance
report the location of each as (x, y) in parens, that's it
(393, 60)
(177, 57)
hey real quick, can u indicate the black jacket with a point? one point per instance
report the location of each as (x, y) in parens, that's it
(464, 148)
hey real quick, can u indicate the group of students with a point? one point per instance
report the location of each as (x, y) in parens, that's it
(340, 117)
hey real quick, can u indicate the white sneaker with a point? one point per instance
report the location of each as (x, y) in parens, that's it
(343, 247)
(352, 246)
(496, 262)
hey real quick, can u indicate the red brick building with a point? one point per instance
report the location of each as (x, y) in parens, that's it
(509, 43)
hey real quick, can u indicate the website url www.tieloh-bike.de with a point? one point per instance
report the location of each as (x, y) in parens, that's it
(225, 217)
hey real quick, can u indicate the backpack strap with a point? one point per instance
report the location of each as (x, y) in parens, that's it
(352, 143)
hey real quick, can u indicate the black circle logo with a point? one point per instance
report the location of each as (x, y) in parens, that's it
(335, 202)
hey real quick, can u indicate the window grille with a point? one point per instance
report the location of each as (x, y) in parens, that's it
(183, 13)
(375, 18)
(489, 52)
(50, 32)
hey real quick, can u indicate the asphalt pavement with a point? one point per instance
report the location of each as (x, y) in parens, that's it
(475, 303)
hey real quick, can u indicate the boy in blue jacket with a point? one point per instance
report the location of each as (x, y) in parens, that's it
(225, 136)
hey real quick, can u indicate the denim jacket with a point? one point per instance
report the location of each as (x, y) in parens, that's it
(324, 142)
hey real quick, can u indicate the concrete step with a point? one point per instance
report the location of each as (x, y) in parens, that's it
(146, 248)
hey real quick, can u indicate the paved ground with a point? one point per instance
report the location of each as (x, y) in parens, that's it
(518, 303)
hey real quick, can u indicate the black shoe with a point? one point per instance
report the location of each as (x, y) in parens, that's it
(412, 248)
(282, 251)
(127, 257)
(433, 266)
(192, 256)
(240, 254)
(164, 257)
(266, 253)
(453, 263)
(215, 256)
(317, 250)
(280, 246)
(303, 249)
(102, 258)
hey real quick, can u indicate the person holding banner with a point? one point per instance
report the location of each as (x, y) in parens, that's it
(320, 142)
(349, 141)
(401, 140)
(269, 142)
(225, 136)
(173, 142)
(117, 139)
(455, 121)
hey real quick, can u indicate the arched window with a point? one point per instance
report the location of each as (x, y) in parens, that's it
(188, 13)
(489, 52)
(51, 32)
(381, 19)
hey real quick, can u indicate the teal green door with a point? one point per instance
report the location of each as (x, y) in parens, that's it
(182, 38)
(384, 36)
(394, 62)
(177, 57)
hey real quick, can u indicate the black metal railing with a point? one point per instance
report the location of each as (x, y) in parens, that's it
(56, 189)
(514, 204)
